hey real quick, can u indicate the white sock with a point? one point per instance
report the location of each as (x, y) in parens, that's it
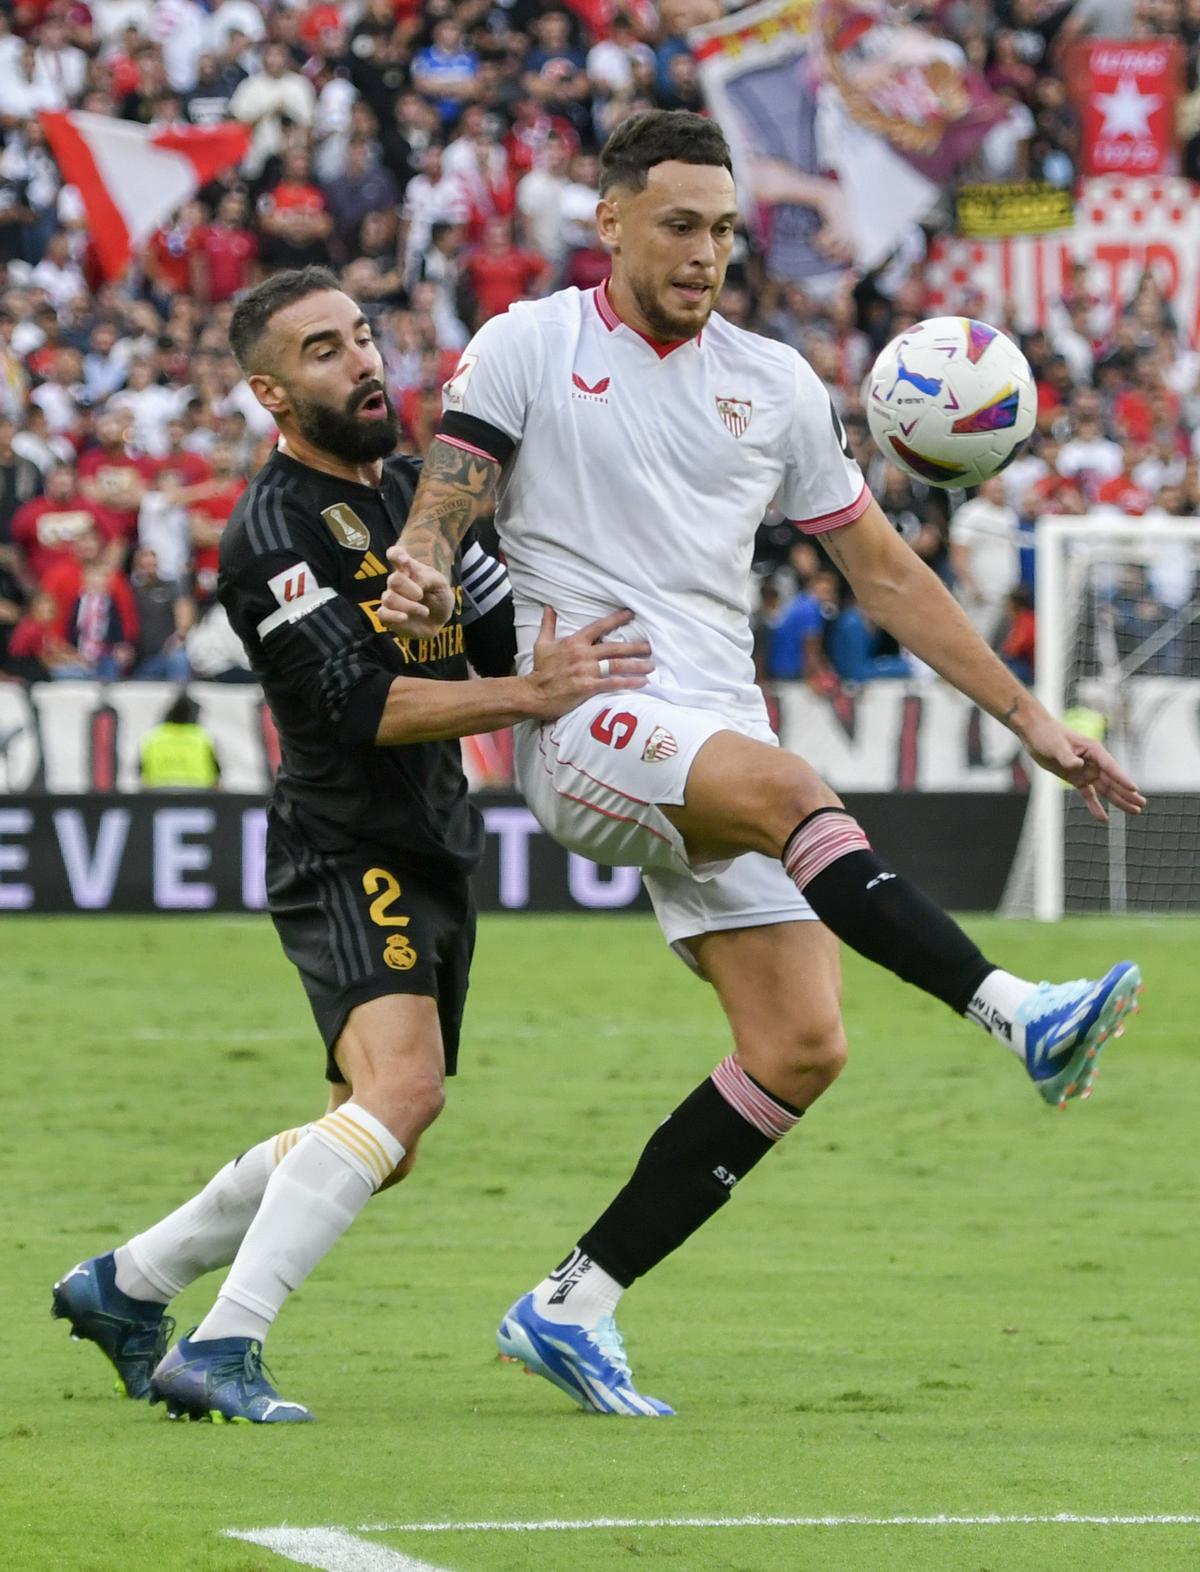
(204, 1232)
(311, 1199)
(577, 1292)
(994, 1007)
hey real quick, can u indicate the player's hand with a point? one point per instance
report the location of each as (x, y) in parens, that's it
(418, 600)
(1085, 764)
(567, 671)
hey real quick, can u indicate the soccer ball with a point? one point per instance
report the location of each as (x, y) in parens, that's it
(951, 401)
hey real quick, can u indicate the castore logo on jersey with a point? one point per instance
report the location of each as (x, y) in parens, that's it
(590, 392)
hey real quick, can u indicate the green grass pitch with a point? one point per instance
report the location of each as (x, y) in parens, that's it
(938, 1297)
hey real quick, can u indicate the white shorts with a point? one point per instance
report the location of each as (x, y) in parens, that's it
(595, 781)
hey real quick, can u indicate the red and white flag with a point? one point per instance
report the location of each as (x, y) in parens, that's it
(1125, 92)
(133, 177)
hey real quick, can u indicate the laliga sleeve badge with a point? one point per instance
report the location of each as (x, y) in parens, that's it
(454, 391)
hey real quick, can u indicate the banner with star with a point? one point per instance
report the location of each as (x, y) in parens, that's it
(1125, 92)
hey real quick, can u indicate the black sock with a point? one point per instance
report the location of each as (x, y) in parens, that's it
(885, 917)
(684, 1175)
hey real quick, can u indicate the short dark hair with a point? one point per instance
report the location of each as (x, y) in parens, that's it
(655, 137)
(255, 308)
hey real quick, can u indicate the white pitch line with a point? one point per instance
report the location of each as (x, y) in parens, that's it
(330, 1550)
(940, 1520)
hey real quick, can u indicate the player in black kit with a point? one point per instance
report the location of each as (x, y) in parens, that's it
(371, 843)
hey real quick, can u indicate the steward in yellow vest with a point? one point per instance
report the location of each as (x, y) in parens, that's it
(177, 755)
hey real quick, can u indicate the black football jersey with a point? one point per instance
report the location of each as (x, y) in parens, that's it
(303, 569)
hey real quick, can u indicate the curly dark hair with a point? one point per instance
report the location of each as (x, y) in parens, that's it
(655, 137)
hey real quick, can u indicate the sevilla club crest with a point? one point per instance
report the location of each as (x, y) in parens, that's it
(735, 412)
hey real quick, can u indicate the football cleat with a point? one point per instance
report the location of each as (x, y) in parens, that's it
(1067, 1024)
(587, 1363)
(222, 1380)
(133, 1333)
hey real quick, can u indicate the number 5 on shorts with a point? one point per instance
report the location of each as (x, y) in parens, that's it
(615, 731)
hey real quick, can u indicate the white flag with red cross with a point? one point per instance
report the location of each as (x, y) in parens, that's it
(133, 177)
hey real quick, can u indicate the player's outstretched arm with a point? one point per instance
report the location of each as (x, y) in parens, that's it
(456, 487)
(565, 672)
(900, 593)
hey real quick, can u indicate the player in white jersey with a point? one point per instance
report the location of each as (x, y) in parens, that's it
(632, 441)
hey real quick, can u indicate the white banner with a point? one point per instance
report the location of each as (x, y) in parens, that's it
(1122, 227)
(80, 737)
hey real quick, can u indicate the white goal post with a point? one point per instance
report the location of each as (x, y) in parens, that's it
(1118, 653)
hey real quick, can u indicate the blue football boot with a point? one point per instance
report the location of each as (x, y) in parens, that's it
(133, 1333)
(587, 1363)
(222, 1380)
(1067, 1024)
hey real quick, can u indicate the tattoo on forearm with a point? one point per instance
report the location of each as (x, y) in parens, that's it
(456, 487)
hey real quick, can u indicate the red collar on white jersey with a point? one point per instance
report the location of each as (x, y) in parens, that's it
(612, 321)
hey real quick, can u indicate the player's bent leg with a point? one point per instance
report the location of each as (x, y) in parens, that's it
(780, 986)
(390, 1054)
(737, 782)
(746, 795)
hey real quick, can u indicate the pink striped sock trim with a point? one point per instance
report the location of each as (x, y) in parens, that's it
(821, 842)
(747, 1098)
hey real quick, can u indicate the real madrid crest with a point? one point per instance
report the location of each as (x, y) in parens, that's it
(346, 527)
(735, 412)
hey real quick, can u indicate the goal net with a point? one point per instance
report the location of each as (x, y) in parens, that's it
(1118, 656)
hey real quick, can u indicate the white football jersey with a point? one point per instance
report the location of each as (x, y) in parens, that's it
(641, 473)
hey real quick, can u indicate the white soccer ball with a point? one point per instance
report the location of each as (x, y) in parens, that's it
(951, 401)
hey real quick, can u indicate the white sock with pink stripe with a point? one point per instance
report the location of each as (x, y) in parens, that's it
(757, 1107)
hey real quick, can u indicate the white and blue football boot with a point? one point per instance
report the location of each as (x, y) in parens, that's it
(133, 1333)
(587, 1363)
(222, 1380)
(1067, 1024)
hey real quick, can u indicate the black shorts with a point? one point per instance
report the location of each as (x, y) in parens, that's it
(363, 923)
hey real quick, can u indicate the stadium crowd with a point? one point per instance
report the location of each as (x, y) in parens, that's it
(443, 156)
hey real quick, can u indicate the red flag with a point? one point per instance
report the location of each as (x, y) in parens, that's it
(1125, 91)
(132, 177)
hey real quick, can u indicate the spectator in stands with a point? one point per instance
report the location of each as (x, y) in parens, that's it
(853, 647)
(796, 637)
(1018, 638)
(114, 475)
(446, 71)
(293, 218)
(269, 97)
(1089, 457)
(36, 649)
(20, 480)
(46, 528)
(227, 253)
(985, 556)
(540, 200)
(99, 631)
(364, 187)
(165, 615)
(498, 272)
(430, 197)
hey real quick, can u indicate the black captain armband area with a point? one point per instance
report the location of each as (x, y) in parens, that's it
(478, 435)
